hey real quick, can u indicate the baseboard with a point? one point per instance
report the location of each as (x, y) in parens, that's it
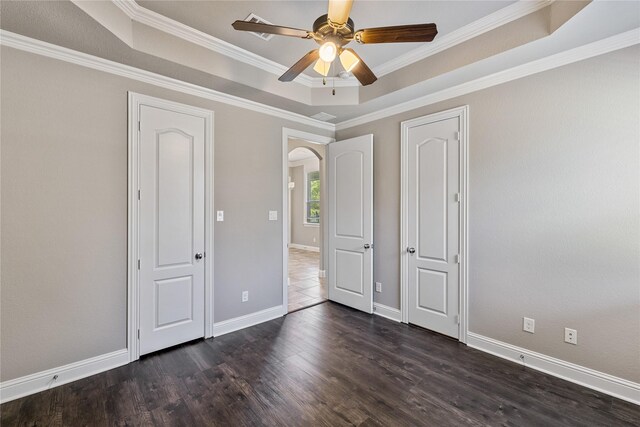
(386, 311)
(303, 247)
(605, 383)
(30, 384)
(237, 323)
(322, 273)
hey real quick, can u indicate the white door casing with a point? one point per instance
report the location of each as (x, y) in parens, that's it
(350, 197)
(434, 222)
(170, 230)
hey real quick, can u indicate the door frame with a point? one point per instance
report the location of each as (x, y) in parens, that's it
(135, 101)
(462, 113)
(288, 133)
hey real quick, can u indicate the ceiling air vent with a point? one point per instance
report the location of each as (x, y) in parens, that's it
(325, 117)
(255, 18)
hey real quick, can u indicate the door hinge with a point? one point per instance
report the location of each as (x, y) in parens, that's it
(457, 259)
(138, 194)
(457, 197)
(204, 254)
(456, 136)
(138, 264)
(138, 333)
(139, 126)
(457, 319)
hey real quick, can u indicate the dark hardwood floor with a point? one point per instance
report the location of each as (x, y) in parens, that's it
(326, 365)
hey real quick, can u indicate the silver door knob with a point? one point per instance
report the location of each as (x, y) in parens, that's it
(198, 255)
(367, 246)
(411, 250)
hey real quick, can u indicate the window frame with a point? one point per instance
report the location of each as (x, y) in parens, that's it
(306, 200)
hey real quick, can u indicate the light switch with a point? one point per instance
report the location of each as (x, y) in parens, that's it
(220, 216)
(273, 215)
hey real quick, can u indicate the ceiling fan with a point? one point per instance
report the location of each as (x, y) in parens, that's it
(335, 30)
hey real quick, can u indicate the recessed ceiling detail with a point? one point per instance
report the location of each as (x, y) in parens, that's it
(325, 117)
(256, 19)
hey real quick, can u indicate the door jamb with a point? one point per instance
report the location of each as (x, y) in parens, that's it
(135, 101)
(463, 114)
(288, 133)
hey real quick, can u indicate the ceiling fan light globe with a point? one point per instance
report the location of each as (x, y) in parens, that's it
(348, 60)
(328, 51)
(322, 67)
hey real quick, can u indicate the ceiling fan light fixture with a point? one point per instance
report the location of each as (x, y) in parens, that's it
(322, 67)
(328, 51)
(348, 60)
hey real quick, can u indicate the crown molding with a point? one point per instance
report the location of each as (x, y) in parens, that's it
(600, 47)
(483, 25)
(49, 50)
(494, 20)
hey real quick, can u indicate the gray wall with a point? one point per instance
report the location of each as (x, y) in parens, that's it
(64, 210)
(554, 211)
(301, 233)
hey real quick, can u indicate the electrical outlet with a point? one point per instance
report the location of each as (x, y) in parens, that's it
(378, 287)
(220, 216)
(528, 325)
(273, 215)
(570, 336)
(245, 296)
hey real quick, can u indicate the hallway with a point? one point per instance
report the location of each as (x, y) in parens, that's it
(305, 287)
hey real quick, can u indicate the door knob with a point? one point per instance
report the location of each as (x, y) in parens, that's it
(411, 250)
(198, 255)
(367, 246)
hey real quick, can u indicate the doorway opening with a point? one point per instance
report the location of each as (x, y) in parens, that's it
(305, 189)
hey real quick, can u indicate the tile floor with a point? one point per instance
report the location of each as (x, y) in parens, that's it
(305, 287)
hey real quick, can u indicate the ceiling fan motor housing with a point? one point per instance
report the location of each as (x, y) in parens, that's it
(325, 32)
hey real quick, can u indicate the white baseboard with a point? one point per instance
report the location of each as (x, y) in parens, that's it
(605, 383)
(237, 323)
(386, 311)
(322, 273)
(30, 384)
(304, 247)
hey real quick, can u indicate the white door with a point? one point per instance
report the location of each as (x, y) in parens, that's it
(350, 183)
(171, 224)
(433, 163)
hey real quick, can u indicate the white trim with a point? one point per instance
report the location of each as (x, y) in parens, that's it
(241, 322)
(316, 139)
(133, 303)
(387, 312)
(140, 14)
(462, 113)
(27, 44)
(304, 247)
(570, 56)
(34, 383)
(483, 25)
(605, 383)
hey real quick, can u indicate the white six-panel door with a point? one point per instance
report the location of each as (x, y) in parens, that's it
(171, 228)
(350, 183)
(433, 219)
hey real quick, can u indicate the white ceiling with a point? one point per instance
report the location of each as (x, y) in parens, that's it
(215, 18)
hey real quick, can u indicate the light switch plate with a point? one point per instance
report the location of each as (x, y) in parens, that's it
(528, 325)
(220, 216)
(273, 215)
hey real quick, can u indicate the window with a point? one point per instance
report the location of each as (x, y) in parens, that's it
(313, 198)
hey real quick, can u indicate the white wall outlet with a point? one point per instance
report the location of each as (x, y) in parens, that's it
(571, 336)
(314, 240)
(378, 287)
(220, 216)
(245, 296)
(528, 325)
(273, 215)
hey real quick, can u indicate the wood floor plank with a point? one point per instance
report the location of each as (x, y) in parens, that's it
(327, 365)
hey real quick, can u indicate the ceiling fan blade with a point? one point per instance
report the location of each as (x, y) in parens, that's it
(258, 27)
(300, 66)
(397, 34)
(362, 72)
(339, 11)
